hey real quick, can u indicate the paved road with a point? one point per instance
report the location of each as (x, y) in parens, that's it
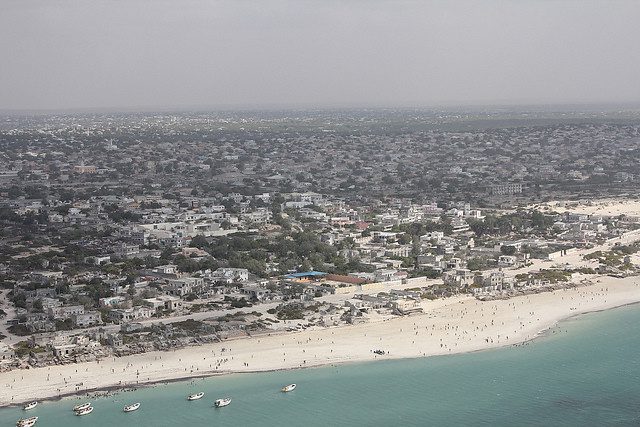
(111, 328)
(260, 308)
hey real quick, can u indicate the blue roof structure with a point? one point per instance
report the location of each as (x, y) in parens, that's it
(305, 274)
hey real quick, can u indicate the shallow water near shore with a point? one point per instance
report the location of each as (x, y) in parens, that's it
(585, 371)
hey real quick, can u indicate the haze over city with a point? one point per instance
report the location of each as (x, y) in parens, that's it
(168, 54)
(433, 204)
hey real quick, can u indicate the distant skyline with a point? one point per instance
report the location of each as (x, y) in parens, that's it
(190, 54)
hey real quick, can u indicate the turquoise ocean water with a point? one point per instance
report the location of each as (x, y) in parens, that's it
(585, 372)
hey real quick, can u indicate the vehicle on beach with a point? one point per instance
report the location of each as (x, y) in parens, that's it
(222, 402)
(85, 411)
(30, 405)
(288, 388)
(196, 396)
(131, 408)
(27, 422)
(81, 407)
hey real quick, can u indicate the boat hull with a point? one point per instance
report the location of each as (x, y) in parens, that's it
(85, 411)
(27, 422)
(222, 402)
(81, 407)
(131, 408)
(30, 406)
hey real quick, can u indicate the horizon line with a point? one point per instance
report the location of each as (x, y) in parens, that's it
(275, 107)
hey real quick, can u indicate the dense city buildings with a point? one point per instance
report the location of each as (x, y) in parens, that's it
(126, 233)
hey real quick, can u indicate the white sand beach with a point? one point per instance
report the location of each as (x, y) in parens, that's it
(454, 325)
(604, 207)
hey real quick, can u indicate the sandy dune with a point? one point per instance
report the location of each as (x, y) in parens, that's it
(604, 207)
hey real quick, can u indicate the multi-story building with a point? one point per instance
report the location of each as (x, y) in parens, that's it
(90, 318)
(505, 189)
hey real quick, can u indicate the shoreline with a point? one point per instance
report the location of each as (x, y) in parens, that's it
(454, 326)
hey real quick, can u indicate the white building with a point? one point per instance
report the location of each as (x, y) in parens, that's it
(182, 287)
(164, 302)
(63, 313)
(90, 318)
(129, 314)
(505, 189)
(231, 275)
(111, 301)
(507, 261)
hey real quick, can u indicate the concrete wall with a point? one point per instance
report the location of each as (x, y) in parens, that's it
(383, 286)
(560, 254)
(633, 233)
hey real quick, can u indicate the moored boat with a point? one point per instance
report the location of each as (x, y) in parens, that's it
(288, 388)
(131, 408)
(196, 396)
(81, 407)
(222, 402)
(27, 422)
(85, 411)
(30, 405)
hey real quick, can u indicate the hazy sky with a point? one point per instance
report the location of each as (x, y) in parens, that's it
(182, 53)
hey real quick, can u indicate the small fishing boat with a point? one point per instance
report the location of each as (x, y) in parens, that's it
(288, 388)
(27, 422)
(81, 407)
(222, 402)
(131, 408)
(85, 411)
(30, 405)
(196, 396)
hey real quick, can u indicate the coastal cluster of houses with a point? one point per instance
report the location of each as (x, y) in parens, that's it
(373, 238)
(104, 237)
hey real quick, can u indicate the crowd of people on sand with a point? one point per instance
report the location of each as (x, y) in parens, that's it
(461, 326)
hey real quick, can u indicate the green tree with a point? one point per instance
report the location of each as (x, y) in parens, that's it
(507, 249)
(475, 264)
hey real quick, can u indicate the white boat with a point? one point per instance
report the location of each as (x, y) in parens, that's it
(27, 422)
(222, 402)
(85, 411)
(288, 388)
(131, 408)
(30, 405)
(196, 396)
(81, 407)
